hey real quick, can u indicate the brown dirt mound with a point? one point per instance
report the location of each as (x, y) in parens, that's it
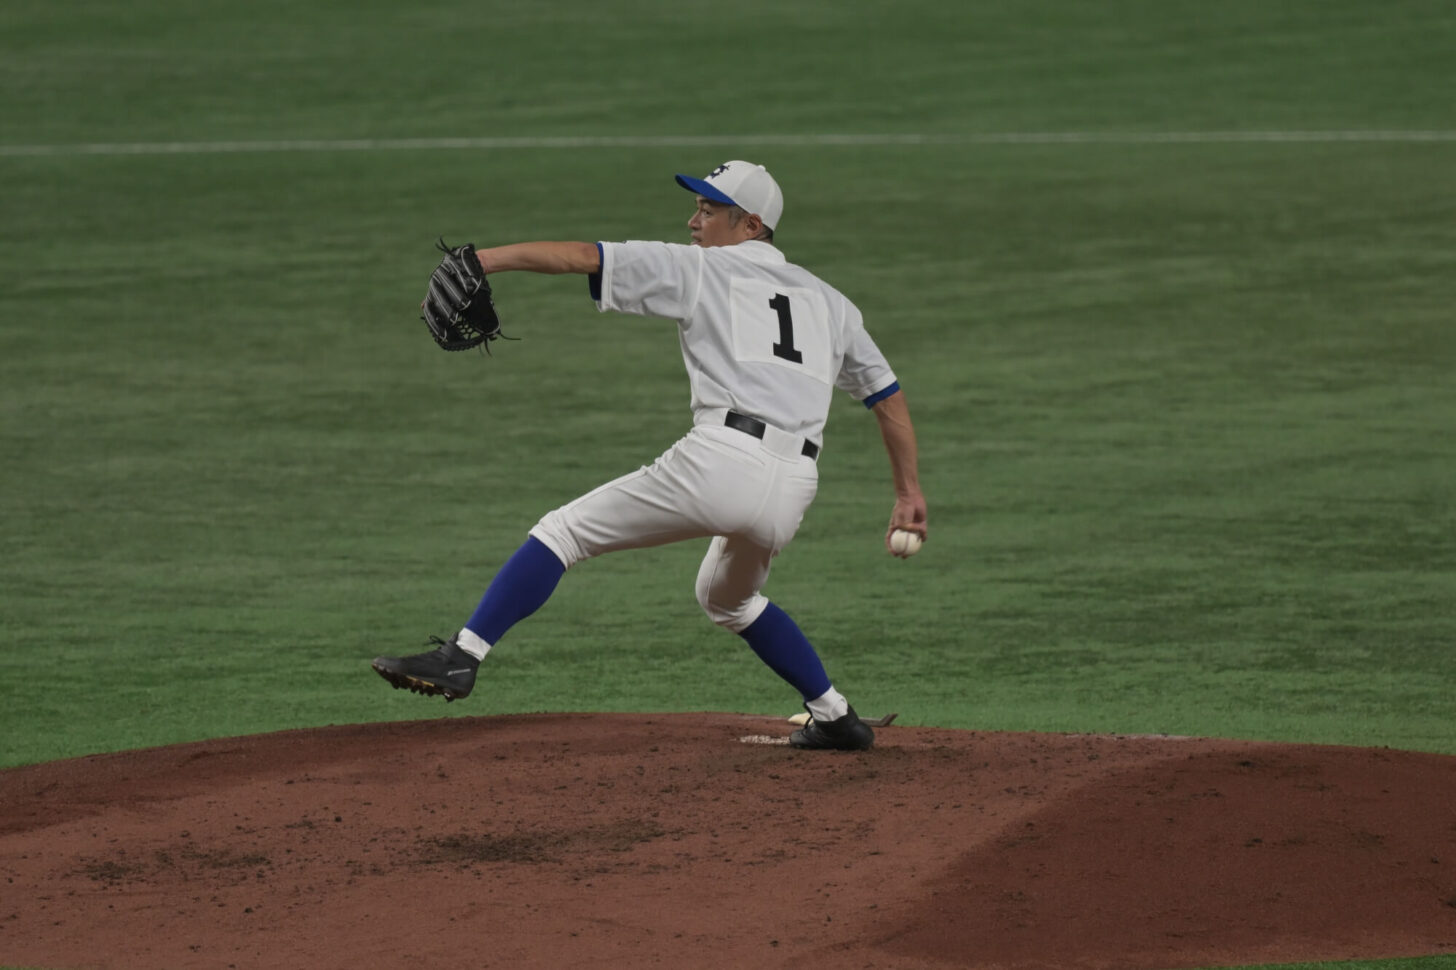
(562, 841)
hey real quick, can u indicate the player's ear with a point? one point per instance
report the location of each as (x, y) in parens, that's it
(753, 224)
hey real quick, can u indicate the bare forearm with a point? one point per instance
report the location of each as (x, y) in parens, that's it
(898, 433)
(541, 257)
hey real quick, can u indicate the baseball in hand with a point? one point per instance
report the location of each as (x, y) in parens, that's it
(904, 543)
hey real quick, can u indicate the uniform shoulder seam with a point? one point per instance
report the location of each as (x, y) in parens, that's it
(692, 306)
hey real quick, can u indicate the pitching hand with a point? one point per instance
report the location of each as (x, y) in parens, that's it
(908, 514)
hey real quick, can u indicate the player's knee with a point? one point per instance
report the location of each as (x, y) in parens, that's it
(735, 613)
(553, 532)
(704, 592)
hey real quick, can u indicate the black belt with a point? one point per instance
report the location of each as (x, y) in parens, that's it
(755, 427)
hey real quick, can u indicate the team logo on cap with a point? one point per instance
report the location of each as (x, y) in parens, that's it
(717, 171)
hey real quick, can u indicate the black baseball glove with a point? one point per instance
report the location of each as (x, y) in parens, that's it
(457, 307)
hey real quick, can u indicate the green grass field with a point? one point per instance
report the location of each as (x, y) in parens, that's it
(1185, 396)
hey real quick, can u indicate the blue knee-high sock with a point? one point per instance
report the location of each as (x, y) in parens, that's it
(523, 585)
(779, 642)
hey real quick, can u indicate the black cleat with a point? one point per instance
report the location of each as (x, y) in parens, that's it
(847, 733)
(445, 670)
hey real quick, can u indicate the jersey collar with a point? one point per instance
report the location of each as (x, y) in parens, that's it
(760, 251)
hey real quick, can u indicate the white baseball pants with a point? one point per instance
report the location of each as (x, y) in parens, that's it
(749, 494)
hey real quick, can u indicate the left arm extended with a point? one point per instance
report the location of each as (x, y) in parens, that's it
(541, 257)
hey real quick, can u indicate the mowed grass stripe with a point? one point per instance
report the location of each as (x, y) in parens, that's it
(711, 141)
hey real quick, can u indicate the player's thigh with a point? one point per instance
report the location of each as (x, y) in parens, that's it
(794, 492)
(634, 511)
(699, 487)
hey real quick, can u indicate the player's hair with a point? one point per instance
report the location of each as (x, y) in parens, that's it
(735, 216)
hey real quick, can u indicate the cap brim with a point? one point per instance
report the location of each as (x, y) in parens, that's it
(702, 188)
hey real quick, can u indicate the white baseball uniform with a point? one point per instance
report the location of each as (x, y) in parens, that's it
(761, 338)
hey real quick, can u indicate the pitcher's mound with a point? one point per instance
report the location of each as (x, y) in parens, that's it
(597, 841)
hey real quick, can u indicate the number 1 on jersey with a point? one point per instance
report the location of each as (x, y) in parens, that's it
(785, 347)
(801, 346)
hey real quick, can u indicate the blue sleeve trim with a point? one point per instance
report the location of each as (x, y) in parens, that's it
(876, 398)
(594, 280)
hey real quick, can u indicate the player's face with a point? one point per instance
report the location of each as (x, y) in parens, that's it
(712, 225)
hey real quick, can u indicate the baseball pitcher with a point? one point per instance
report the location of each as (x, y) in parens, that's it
(765, 343)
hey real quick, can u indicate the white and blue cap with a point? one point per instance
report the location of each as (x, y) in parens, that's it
(743, 184)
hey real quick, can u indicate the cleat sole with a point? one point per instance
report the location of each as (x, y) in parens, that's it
(415, 685)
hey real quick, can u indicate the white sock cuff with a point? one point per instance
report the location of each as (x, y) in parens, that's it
(472, 644)
(829, 706)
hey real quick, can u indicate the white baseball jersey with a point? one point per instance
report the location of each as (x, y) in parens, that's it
(759, 335)
(762, 337)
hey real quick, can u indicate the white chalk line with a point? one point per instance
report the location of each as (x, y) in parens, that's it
(716, 141)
